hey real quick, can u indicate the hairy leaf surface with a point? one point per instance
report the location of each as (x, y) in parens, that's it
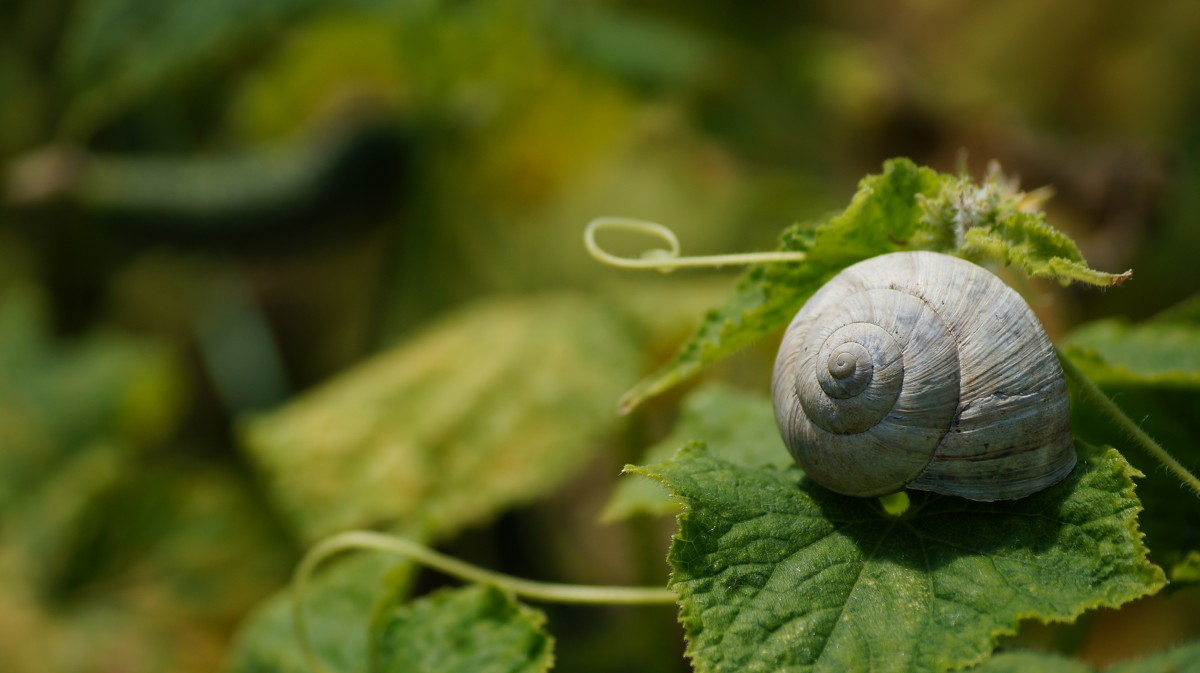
(776, 573)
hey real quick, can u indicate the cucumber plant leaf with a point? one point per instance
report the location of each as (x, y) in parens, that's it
(474, 629)
(994, 222)
(906, 207)
(776, 573)
(469, 417)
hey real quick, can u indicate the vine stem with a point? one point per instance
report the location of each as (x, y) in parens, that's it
(1110, 408)
(534, 590)
(669, 259)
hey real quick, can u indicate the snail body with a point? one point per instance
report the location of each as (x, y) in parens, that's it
(924, 371)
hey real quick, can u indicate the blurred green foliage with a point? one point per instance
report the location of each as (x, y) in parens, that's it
(237, 238)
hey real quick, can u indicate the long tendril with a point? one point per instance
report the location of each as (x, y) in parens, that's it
(540, 591)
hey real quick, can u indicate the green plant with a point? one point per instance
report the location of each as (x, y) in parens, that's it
(771, 571)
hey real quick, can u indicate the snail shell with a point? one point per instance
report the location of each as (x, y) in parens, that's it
(920, 370)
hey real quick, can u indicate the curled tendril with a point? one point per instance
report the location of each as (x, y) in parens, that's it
(669, 259)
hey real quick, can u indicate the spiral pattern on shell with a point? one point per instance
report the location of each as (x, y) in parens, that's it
(924, 371)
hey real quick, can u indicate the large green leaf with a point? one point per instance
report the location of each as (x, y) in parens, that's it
(776, 573)
(904, 208)
(476, 629)
(494, 405)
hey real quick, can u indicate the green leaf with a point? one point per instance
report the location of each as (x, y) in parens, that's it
(639, 49)
(883, 213)
(994, 221)
(905, 208)
(1152, 370)
(1157, 353)
(1175, 660)
(58, 399)
(777, 573)
(1024, 662)
(475, 629)
(493, 406)
(338, 611)
(1187, 569)
(737, 425)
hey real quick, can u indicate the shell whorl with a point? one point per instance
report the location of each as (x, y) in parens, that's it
(924, 371)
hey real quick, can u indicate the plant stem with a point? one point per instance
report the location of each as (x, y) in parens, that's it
(540, 591)
(1093, 392)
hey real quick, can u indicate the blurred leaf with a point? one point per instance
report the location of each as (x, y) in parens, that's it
(1181, 659)
(736, 425)
(116, 562)
(332, 64)
(475, 629)
(905, 207)
(492, 406)
(110, 550)
(774, 572)
(337, 609)
(1187, 570)
(58, 397)
(118, 51)
(1156, 353)
(1152, 371)
(1025, 662)
(639, 49)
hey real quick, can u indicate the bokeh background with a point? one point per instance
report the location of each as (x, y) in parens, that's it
(270, 269)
